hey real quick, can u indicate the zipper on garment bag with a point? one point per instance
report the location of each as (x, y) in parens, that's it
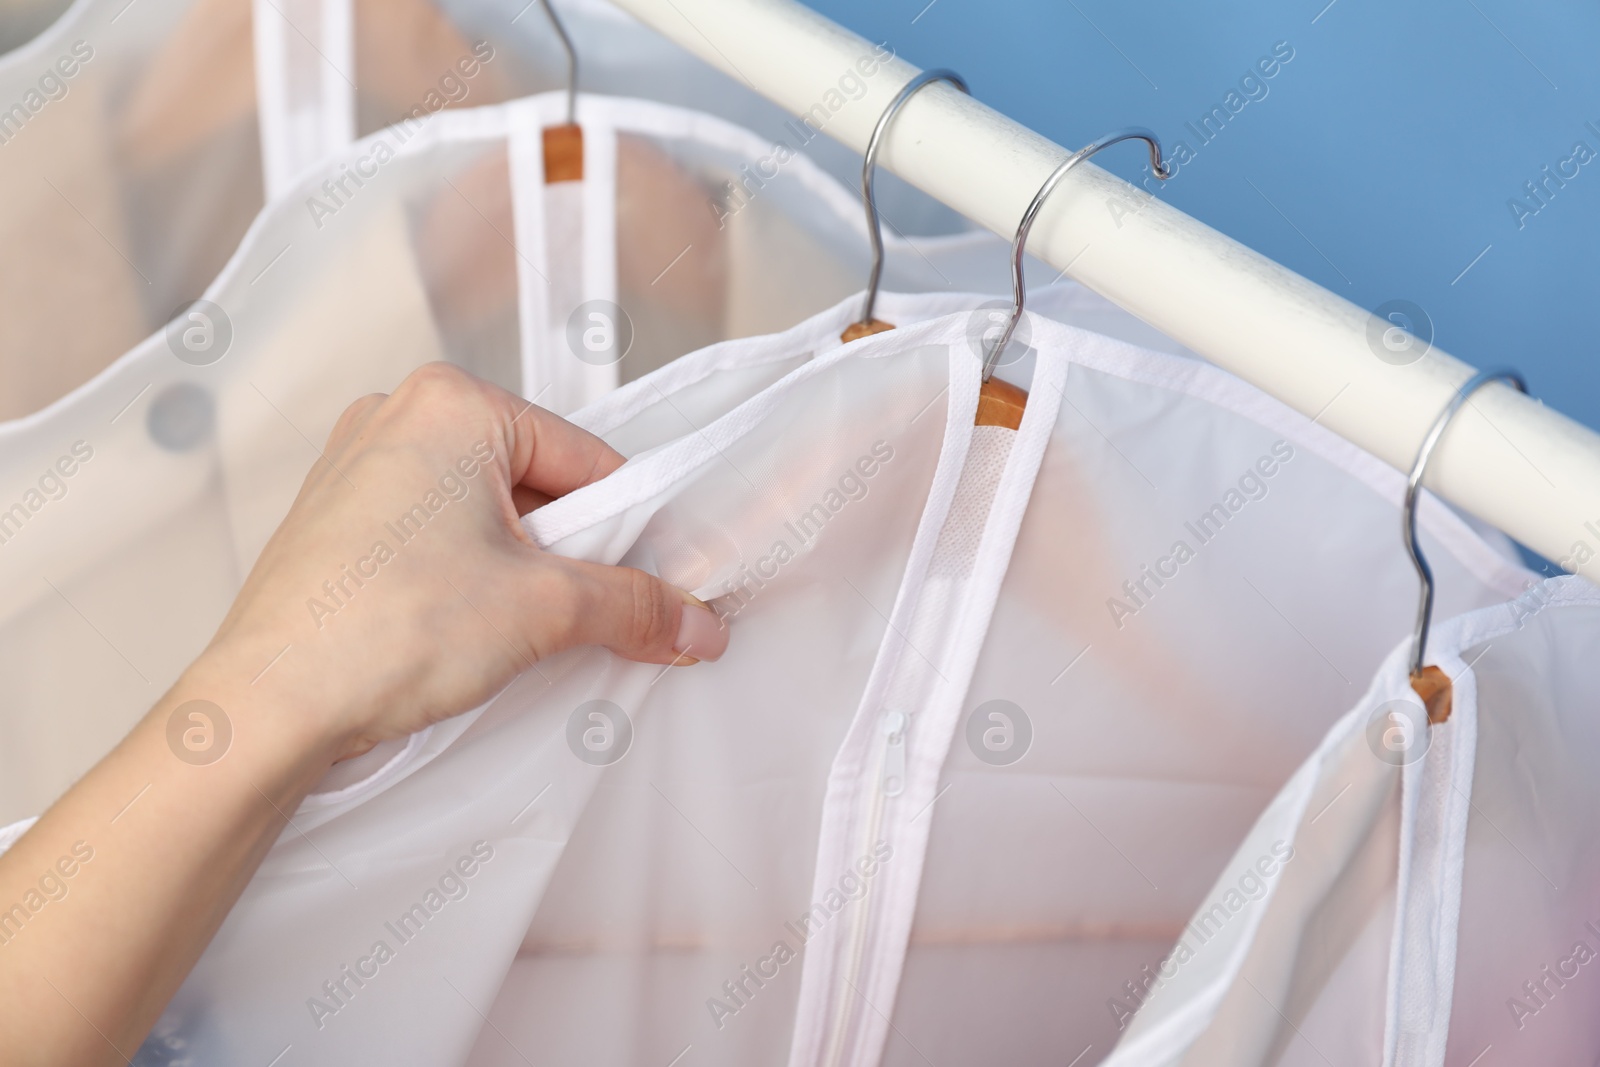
(891, 783)
(835, 1008)
(894, 753)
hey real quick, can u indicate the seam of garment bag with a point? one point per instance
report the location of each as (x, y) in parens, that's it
(597, 262)
(600, 198)
(273, 36)
(271, 91)
(851, 972)
(991, 561)
(814, 337)
(1422, 956)
(496, 122)
(558, 380)
(1118, 359)
(671, 122)
(637, 481)
(819, 980)
(525, 161)
(1434, 808)
(1215, 386)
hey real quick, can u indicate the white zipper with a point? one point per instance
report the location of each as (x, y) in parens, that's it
(891, 783)
(875, 787)
(894, 726)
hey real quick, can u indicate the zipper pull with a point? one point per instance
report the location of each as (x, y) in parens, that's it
(894, 753)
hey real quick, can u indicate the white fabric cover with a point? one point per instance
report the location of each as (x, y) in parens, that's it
(131, 169)
(1523, 855)
(618, 906)
(1450, 899)
(24, 19)
(445, 254)
(139, 141)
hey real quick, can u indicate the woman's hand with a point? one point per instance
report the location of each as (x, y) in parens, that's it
(399, 590)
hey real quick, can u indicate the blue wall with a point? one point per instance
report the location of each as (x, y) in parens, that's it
(1379, 163)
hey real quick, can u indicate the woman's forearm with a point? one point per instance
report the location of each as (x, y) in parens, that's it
(108, 901)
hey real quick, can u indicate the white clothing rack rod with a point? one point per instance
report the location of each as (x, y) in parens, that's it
(1506, 459)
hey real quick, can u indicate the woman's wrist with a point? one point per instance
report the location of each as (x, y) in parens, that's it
(220, 709)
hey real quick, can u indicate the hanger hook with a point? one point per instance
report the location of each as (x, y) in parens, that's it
(869, 167)
(1019, 243)
(1419, 643)
(572, 61)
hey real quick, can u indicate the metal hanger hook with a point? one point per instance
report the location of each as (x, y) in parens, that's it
(1408, 526)
(1019, 243)
(869, 167)
(572, 60)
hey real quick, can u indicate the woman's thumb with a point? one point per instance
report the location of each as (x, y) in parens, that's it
(639, 616)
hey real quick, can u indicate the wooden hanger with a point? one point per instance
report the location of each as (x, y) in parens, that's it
(563, 144)
(1430, 682)
(868, 325)
(1001, 403)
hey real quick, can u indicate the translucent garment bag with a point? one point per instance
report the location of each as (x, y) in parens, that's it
(138, 142)
(22, 20)
(1480, 938)
(133, 507)
(129, 169)
(966, 759)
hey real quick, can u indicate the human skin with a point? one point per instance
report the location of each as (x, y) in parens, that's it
(459, 610)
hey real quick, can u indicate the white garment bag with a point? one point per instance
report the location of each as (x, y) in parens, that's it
(25, 19)
(1478, 940)
(140, 140)
(131, 168)
(833, 846)
(197, 439)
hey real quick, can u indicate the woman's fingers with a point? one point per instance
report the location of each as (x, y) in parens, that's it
(547, 454)
(424, 483)
(544, 455)
(528, 499)
(639, 616)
